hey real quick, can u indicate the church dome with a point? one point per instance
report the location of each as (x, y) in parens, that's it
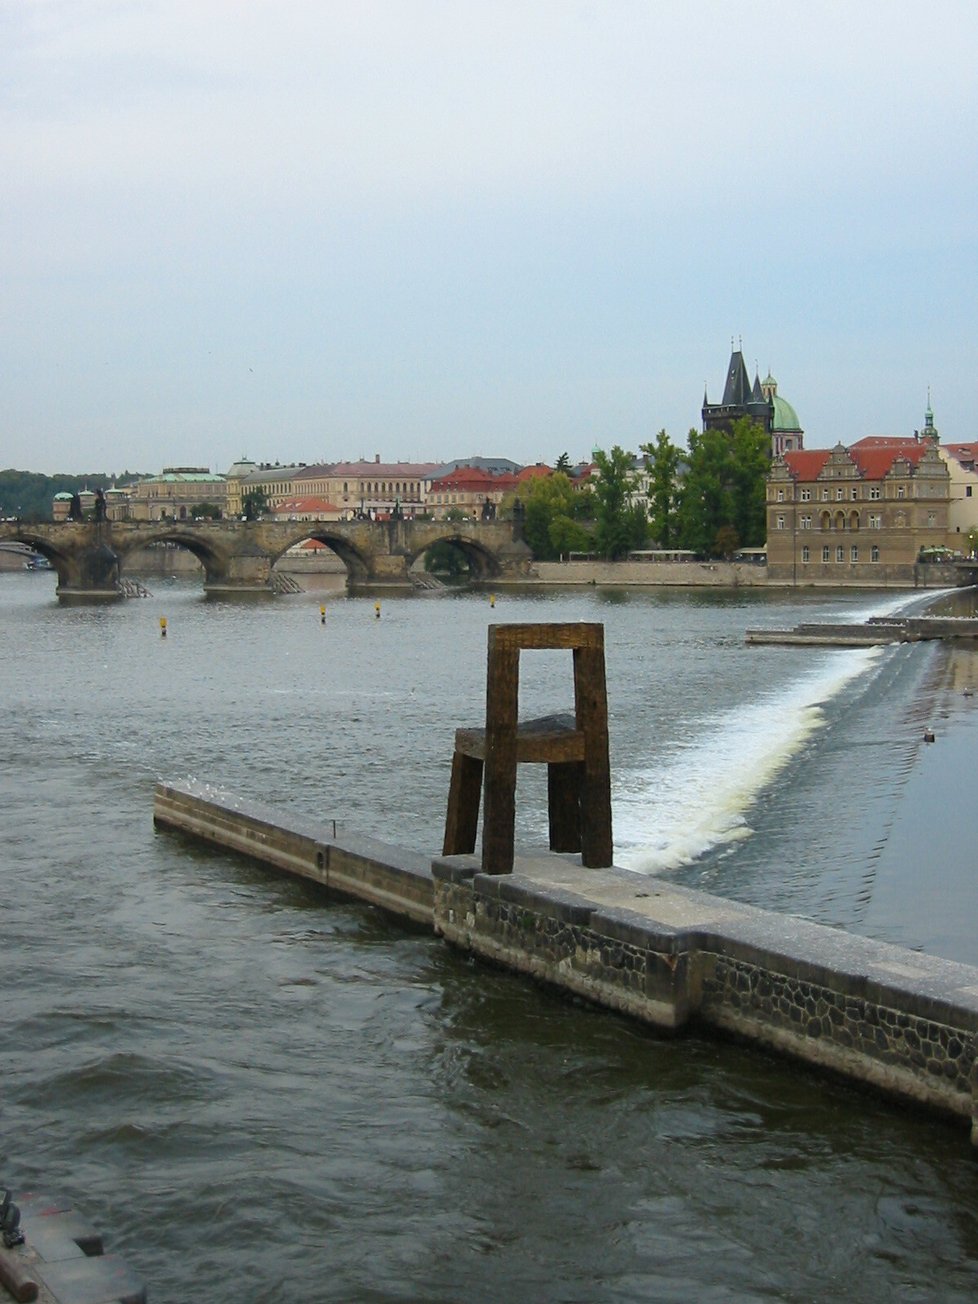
(785, 416)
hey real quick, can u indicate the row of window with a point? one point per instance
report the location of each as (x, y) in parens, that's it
(873, 492)
(874, 520)
(840, 553)
(378, 487)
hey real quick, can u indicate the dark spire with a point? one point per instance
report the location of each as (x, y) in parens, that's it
(737, 391)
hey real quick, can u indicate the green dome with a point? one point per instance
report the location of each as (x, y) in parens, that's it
(785, 416)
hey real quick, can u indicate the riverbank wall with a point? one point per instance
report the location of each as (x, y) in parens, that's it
(729, 575)
(676, 959)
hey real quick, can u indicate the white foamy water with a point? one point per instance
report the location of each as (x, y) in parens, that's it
(698, 794)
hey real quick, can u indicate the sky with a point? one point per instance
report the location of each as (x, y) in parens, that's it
(315, 230)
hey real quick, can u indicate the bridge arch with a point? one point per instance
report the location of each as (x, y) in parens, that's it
(357, 563)
(64, 561)
(482, 561)
(209, 556)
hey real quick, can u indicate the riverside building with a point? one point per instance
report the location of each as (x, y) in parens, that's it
(857, 515)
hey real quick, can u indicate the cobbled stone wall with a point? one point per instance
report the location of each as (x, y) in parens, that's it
(604, 955)
(843, 1003)
(890, 1045)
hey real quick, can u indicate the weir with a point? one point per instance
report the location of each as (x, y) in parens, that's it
(876, 630)
(674, 958)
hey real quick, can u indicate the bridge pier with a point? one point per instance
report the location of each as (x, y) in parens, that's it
(247, 573)
(386, 571)
(90, 574)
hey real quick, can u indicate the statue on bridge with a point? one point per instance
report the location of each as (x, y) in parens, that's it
(99, 504)
(75, 509)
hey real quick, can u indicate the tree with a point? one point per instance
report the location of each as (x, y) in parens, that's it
(662, 459)
(255, 504)
(620, 525)
(751, 463)
(706, 501)
(447, 559)
(29, 495)
(549, 504)
(562, 463)
(725, 486)
(727, 542)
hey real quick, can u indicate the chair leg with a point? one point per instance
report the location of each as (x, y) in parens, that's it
(464, 795)
(564, 804)
(597, 848)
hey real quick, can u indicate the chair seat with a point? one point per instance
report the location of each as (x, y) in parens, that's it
(574, 749)
(550, 739)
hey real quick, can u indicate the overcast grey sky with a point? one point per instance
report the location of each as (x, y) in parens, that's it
(315, 229)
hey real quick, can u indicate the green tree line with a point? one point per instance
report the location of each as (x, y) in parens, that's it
(28, 495)
(708, 498)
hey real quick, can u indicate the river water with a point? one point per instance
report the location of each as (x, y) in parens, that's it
(260, 1093)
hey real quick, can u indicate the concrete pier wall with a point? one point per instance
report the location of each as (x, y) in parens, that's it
(896, 1020)
(900, 1021)
(396, 880)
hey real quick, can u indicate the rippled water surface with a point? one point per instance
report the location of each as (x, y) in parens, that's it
(261, 1094)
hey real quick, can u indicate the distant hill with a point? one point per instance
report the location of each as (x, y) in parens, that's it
(27, 494)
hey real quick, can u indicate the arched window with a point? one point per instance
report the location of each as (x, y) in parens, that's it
(825, 521)
(853, 520)
(840, 520)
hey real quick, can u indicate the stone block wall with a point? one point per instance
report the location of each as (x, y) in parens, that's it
(608, 956)
(921, 1054)
(902, 1022)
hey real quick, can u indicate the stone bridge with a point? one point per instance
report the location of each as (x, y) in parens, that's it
(237, 556)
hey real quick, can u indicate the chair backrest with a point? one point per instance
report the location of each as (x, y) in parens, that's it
(506, 642)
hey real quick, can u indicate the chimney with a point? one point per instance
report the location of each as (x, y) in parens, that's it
(377, 457)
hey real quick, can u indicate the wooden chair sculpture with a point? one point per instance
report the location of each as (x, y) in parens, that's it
(573, 747)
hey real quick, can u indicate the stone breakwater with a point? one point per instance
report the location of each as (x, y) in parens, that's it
(895, 1020)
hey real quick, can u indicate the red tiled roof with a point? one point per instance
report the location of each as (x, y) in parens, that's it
(884, 441)
(806, 463)
(963, 452)
(875, 462)
(307, 505)
(537, 471)
(874, 457)
(472, 479)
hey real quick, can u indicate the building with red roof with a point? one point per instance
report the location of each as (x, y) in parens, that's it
(308, 508)
(538, 471)
(471, 490)
(363, 488)
(857, 515)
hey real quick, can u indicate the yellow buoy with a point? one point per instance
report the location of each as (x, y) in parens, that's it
(377, 610)
(492, 599)
(162, 626)
(322, 615)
